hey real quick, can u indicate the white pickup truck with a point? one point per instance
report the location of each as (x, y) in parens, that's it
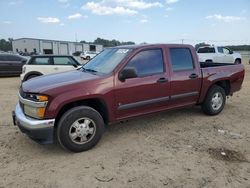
(218, 54)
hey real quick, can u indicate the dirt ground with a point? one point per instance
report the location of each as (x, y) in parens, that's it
(181, 148)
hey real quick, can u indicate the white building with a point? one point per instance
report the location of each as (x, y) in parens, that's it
(43, 46)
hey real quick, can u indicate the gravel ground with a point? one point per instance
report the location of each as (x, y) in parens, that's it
(181, 148)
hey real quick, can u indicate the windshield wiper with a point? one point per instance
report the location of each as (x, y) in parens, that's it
(89, 70)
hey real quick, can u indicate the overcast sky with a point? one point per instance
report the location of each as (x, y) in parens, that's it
(162, 21)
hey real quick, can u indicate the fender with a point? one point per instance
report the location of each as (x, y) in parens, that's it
(32, 73)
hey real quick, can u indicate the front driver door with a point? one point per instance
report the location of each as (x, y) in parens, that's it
(146, 93)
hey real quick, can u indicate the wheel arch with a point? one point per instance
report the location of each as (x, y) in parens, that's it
(238, 59)
(32, 73)
(96, 103)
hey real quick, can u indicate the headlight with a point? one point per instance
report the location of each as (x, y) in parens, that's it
(38, 98)
(35, 105)
(34, 111)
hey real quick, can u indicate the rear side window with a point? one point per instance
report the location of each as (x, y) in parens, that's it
(62, 61)
(13, 58)
(181, 59)
(206, 50)
(148, 62)
(41, 61)
(10, 58)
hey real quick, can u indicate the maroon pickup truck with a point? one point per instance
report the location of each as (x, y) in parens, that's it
(120, 83)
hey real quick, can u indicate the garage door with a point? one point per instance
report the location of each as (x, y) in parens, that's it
(79, 48)
(64, 49)
(47, 45)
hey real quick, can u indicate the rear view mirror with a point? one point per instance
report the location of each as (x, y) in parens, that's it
(128, 72)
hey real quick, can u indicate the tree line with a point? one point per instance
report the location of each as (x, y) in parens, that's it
(109, 43)
(6, 45)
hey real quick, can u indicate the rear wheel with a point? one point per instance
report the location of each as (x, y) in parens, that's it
(88, 57)
(80, 129)
(215, 100)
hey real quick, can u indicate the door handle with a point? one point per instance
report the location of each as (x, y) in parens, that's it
(56, 68)
(162, 80)
(193, 76)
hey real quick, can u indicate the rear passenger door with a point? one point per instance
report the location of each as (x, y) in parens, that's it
(62, 64)
(185, 77)
(16, 64)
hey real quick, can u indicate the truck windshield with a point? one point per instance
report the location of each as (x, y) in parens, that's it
(106, 61)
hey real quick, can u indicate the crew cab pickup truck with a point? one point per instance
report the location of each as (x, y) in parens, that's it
(120, 83)
(218, 54)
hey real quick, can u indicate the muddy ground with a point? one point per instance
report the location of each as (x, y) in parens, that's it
(181, 148)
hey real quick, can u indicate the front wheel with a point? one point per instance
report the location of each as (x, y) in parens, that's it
(80, 129)
(237, 61)
(214, 101)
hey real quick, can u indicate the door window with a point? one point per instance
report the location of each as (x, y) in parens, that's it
(147, 62)
(226, 51)
(181, 59)
(62, 61)
(41, 61)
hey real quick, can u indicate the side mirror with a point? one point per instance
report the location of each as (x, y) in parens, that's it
(74, 65)
(126, 73)
(231, 52)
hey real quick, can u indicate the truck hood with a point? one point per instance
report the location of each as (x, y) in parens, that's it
(44, 83)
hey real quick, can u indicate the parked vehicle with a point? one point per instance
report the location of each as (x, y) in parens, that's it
(218, 54)
(121, 83)
(77, 53)
(48, 64)
(11, 65)
(88, 55)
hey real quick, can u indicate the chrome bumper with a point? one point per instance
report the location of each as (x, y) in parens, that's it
(30, 123)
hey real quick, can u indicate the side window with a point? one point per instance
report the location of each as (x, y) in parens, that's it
(13, 58)
(226, 51)
(220, 50)
(206, 50)
(40, 61)
(181, 59)
(148, 62)
(62, 61)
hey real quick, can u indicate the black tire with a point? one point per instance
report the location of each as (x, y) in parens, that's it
(68, 119)
(88, 57)
(31, 76)
(237, 61)
(208, 107)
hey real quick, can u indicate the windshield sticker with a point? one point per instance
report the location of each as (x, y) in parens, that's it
(122, 51)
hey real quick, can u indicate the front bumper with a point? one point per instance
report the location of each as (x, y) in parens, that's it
(41, 131)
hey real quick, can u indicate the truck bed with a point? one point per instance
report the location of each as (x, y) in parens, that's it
(215, 72)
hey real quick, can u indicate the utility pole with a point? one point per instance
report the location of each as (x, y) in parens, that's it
(182, 41)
